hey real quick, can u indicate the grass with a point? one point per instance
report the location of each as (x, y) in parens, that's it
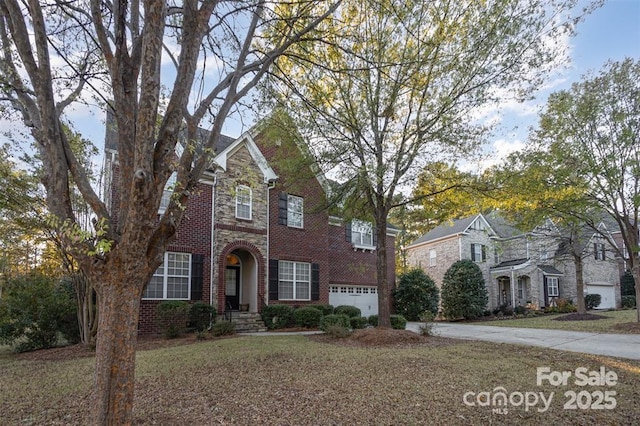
(291, 380)
(548, 321)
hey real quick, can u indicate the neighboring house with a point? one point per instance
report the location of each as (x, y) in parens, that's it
(255, 234)
(520, 269)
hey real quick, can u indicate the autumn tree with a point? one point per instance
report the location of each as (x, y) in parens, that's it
(394, 85)
(587, 153)
(57, 55)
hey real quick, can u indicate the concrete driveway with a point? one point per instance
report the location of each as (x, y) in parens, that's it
(615, 345)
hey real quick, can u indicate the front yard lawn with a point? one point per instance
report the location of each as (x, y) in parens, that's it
(298, 380)
(615, 322)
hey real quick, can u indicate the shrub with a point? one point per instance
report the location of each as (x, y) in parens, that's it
(627, 284)
(398, 322)
(520, 310)
(358, 322)
(325, 309)
(337, 331)
(628, 301)
(464, 294)
(34, 310)
(223, 328)
(201, 314)
(504, 309)
(173, 316)
(416, 293)
(307, 317)
(565, 306)
(592, 301)
(373, 320)
(340, 320)
(348, 310)
(427, 318)
(277, 316)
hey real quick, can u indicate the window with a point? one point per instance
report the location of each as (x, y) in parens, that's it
(521, 288)
(361, 233)
(294, 280)
(478, 253)
(552, 287)
(477, 225)
(243, 202)
(166, 194)
(171, 279)
(598, 249)
(496, 256)
(544, 254)
(295, 211)
(432, 258)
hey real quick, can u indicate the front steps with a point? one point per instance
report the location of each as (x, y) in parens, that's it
(246, 322)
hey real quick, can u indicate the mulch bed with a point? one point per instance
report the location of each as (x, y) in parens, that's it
(579, 317)
(628, 327)
(383, 337)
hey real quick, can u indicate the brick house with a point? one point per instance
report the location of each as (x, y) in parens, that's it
(531, 269)
(255, 233)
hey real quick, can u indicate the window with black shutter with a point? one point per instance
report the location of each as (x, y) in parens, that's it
(197, 269)
(273, 279)
(315, 281)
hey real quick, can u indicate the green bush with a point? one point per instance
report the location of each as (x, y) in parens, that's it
(416, 293)
(201, 314)
(464, 294)
(34, 312)
(340, 320)
(325, 309)
(173, 316)
(628, 301)
(398, 322)
(308, 317)
(277, 316)
(520, 310)
(223, 328)
(373, 320)
(627, 285)
(504, 309)
(358, 322)
(592, 301)
(348, 310)
(565, 306)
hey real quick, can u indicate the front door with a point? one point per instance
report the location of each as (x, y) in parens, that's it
(232, 288)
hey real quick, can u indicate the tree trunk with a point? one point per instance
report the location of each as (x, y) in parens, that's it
(119, 309)
(582, 309)
(635, 271)
(384, 292)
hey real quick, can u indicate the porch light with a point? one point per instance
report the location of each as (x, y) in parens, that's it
(232, 259)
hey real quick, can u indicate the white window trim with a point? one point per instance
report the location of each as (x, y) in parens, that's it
(361, 226)
(295, 281)
(240, 188)
(291, 212)
(556, 286)
(165, 277)
(167, 193)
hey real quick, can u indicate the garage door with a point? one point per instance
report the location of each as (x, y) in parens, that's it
(607, 295)
(364, 298)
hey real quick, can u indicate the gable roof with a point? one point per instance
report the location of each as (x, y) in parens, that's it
(247, 140)
(448, 229)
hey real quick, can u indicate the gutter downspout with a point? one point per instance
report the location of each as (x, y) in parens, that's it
(265, 296)
(213, 234)
(513, 288)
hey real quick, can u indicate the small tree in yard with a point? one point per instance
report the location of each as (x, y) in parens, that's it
(464, 294)
(416, 293)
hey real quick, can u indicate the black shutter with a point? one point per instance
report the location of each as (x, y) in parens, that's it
(273, 279)
(473, 252)
(347, 231)
(282, 208)
(595, 250)
(197, 269)
(315, 281)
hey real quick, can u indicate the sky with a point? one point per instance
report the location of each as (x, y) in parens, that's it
(611, 32)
